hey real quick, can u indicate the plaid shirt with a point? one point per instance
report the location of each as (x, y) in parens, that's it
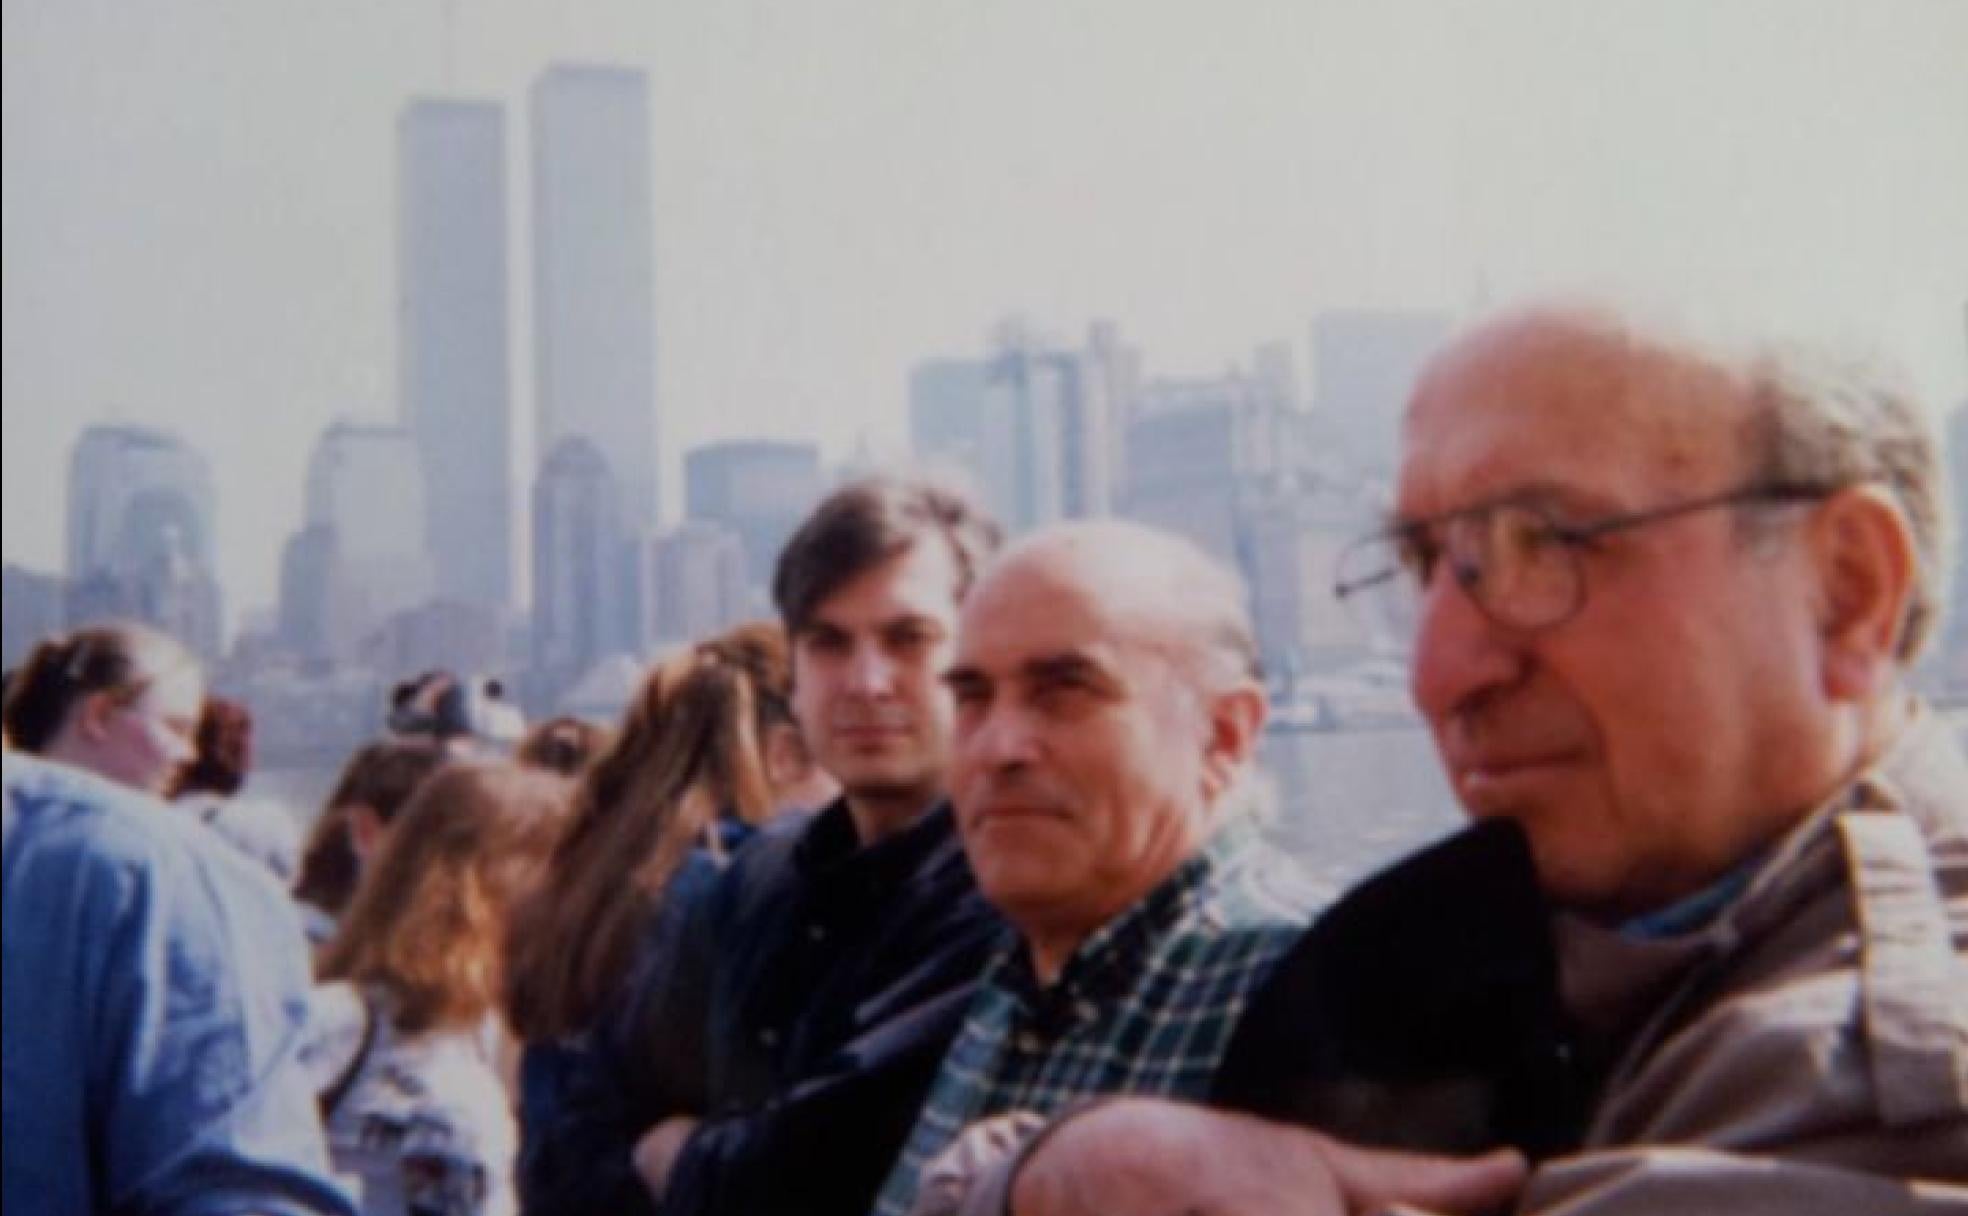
(1145, 1005)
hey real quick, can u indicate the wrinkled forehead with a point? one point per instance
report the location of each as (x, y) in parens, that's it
(1061, 599)
(1568, 403)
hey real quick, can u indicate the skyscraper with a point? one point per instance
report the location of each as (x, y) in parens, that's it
(696, 577)
(593, 272)
(759, 489)
(582, 568)
(1031, 424)
(141, 511)
(132, 492)
(360, 557)
(452, 346)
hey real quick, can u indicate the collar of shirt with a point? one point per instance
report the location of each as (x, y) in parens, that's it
(830, 851)
(1109, 962)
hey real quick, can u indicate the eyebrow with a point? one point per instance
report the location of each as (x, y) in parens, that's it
(1069, 668)
(1551, 495)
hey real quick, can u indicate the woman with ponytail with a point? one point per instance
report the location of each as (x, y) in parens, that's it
(707, 751)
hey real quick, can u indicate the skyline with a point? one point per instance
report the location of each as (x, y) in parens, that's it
(199, 229)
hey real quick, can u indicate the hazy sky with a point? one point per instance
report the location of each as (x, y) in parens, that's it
(200, 223)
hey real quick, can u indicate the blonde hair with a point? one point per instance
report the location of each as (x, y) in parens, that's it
(427, 923)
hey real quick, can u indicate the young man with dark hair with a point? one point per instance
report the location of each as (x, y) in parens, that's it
(842, 947)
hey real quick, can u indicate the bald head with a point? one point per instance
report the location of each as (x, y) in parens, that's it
(1105, 704)
(1711, 408)
(1156, 587)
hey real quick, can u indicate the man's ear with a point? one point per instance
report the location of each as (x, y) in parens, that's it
(1862, 553)
(1236, 725)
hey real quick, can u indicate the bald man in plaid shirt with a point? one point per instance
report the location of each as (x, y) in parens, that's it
(1108, 712)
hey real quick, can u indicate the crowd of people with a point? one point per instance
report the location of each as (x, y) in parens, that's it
(947, 891)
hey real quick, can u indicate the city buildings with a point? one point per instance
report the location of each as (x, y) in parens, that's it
(593, 275)
(696, 584)
(360, 556)
(583, 589)
(141, 514)
(758, 489)
(453, 338)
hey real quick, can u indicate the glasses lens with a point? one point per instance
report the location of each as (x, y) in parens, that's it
(1529, 575)
(1378, 585)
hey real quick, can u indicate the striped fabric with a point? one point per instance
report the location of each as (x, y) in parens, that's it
(1146, 1005)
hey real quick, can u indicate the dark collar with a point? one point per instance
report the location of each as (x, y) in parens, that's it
(830, 846)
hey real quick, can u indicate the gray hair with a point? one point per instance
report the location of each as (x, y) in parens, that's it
(1818, 420)
(1168, 582)
(1810, 416)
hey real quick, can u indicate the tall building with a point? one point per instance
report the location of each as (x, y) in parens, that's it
(1113, 390)
(696, 583)
(453, 338)
(1364, 365)
(952, 428)
(593, 274)
(133, 493)
(759, 489)
(1031, 425)
(360, 557)
(582, 566)
(141, 512)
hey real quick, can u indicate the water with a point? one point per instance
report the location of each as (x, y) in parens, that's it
(1349, 802)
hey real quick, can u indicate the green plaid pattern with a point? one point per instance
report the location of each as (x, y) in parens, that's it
(1146, 1005)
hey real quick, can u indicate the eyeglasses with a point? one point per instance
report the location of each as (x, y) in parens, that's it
(1517, 562)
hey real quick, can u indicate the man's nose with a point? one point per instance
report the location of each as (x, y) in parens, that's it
(1002, 738)
(870, 672)
(1459, 653)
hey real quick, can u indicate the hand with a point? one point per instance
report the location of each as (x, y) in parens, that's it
(656, 1152)
(1147, 1157)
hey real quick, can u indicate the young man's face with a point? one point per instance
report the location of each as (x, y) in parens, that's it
(866, 676)
(1674, 723)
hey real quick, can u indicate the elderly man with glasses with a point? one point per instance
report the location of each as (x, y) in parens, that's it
(1662, 604)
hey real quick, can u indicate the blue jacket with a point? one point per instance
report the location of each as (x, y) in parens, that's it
(155, 993)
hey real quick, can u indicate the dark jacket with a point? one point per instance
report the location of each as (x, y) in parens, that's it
(839, 976)
(585, 1100)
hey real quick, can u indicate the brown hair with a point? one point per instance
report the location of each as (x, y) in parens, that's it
(565, 745)
(381, 776)
(122, 657)
(427, 924)
(224, 745)
(864, 524)
(690, 748)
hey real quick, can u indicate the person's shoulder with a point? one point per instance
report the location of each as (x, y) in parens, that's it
(769, 849)
(63, 823)
(81, 831)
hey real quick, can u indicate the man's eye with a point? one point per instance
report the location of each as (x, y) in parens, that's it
(826, 643)
(1416, 552)
(913, 637)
